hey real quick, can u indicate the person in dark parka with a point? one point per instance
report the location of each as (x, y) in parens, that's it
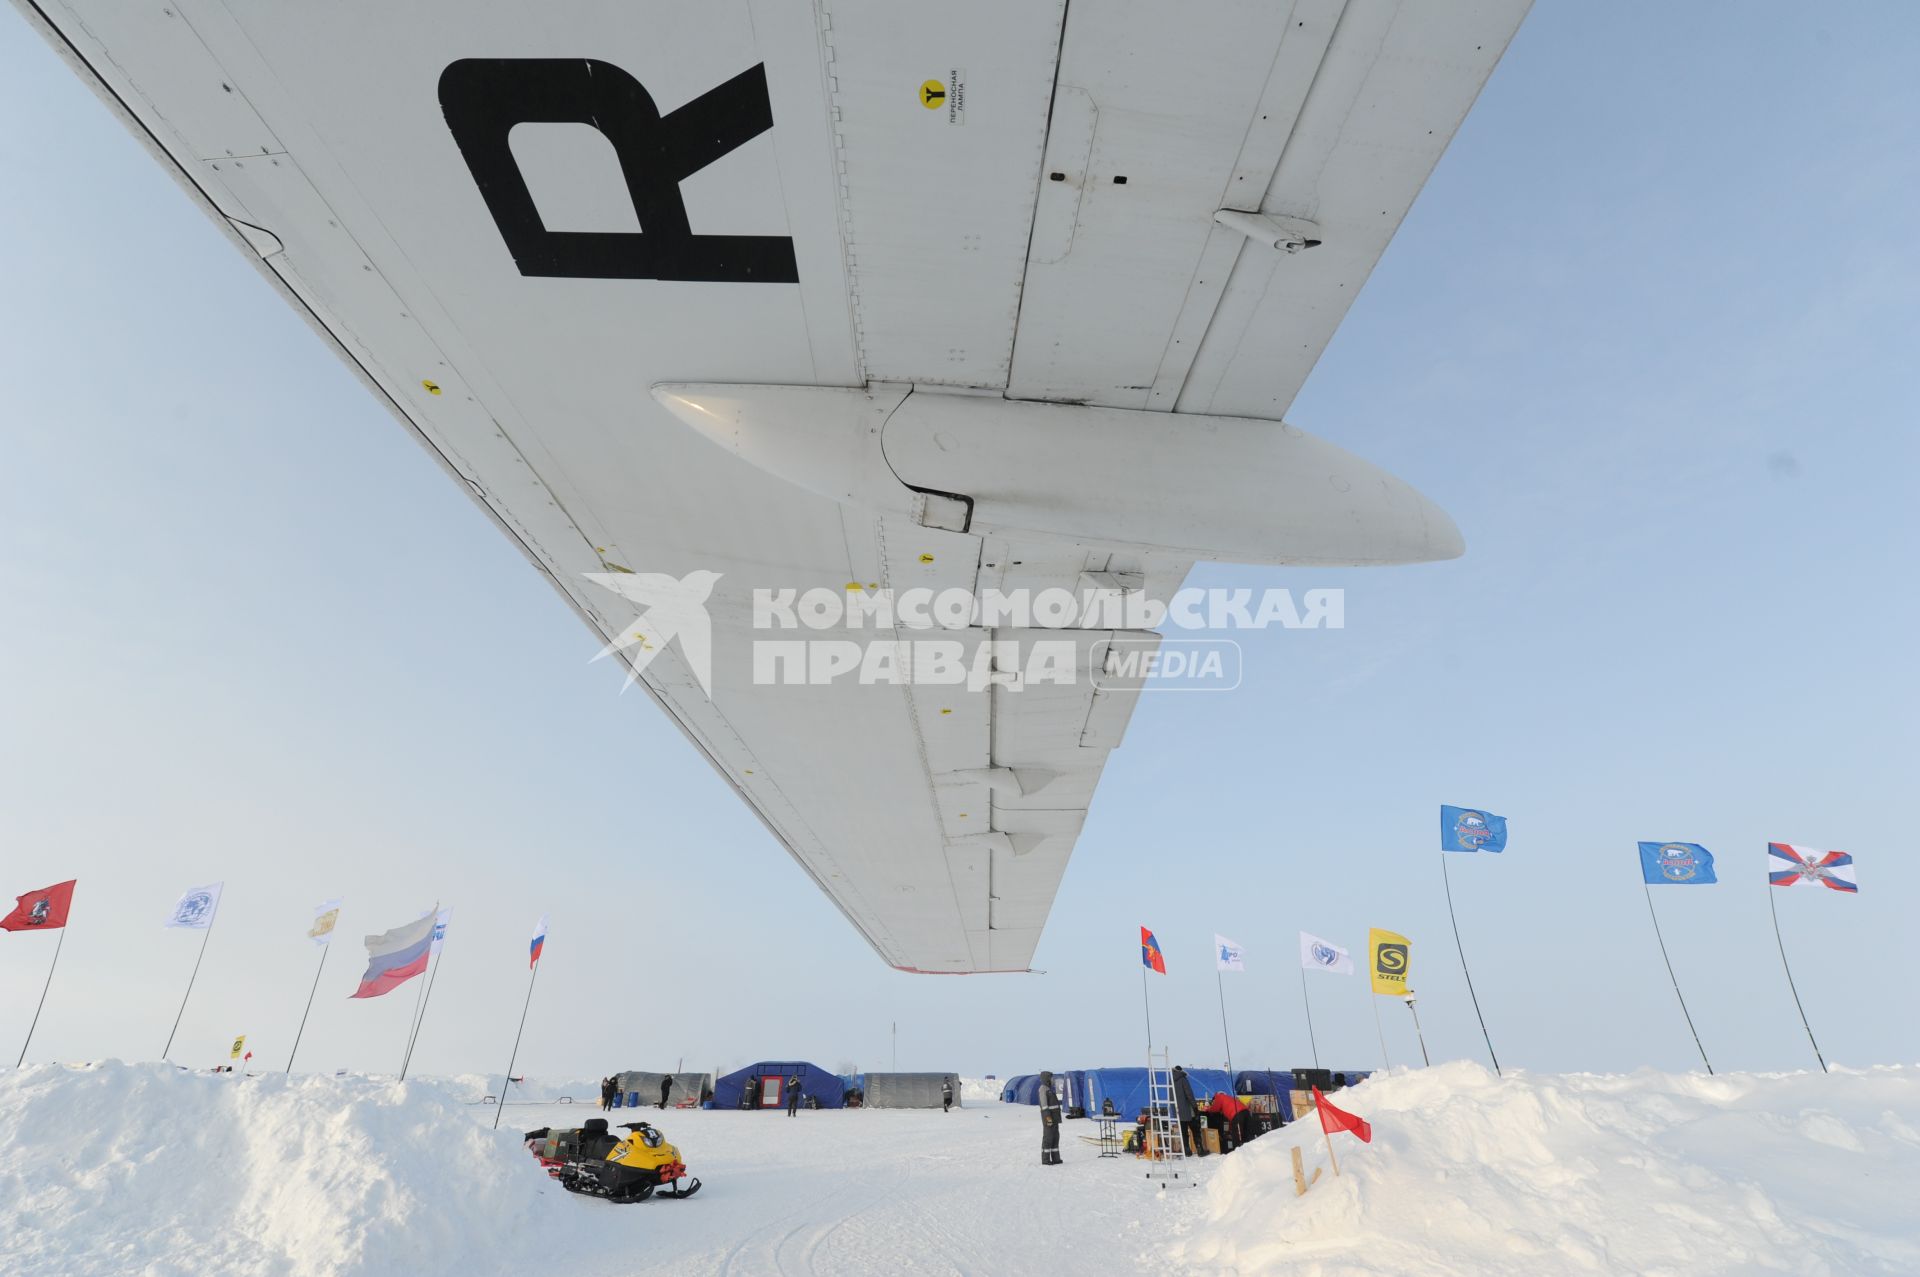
(1049, 1122)
(666, 1089)
(793, 1095)
(1184, 1110)
(946, 1095)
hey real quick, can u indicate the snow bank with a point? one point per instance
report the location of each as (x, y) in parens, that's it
(977, 1090)
(142, 1168)
(473, 1088)
(1642, 1173)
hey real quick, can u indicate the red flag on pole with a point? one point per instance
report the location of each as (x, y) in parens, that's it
(1333, 1119)
(43, 910)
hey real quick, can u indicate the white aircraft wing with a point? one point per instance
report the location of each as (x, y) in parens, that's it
(706, 299)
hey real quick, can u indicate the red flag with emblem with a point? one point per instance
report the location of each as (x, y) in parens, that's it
(1150, 955)
(42, 910)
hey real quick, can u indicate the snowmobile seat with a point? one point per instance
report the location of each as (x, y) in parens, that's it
(595, 1142)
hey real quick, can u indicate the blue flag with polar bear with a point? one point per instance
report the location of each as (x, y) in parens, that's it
(1471, 829)
(1676, 864)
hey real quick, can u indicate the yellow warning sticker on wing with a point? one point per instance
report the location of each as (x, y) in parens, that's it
(949, 95)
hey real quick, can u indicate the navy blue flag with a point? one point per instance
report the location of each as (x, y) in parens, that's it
(1470, 829)
(1676, 864)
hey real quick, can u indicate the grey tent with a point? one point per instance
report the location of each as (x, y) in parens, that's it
(643, 1089)
(909, 1090)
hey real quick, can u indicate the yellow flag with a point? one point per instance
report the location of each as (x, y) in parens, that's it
(1387, 962)
(239, 1045)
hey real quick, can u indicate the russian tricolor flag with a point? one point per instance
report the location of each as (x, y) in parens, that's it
(539, 942)
(396, 956)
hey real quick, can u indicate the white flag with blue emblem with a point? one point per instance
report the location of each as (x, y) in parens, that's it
(1230, 956)
(196, 907)
(1324, 955)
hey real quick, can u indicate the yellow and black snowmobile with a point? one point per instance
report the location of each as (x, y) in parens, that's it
(594, 1161)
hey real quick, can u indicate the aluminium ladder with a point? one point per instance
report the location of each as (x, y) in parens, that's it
(1167, 1161)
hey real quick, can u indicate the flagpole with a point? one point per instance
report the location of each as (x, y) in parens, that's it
(515, 1057)
(1326, 1131)
(304, 1014)
(413, 1019)
(204, 937)
(1380, 1028)
(1676, 980)
(1304, 997)
(1148, 1003)
(426, 996)
(1418, 1032)
(1447, 878)
(1783, 962)
(58, 944)
(1222, 987)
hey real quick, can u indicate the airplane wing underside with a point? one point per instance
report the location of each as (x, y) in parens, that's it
(517, 222)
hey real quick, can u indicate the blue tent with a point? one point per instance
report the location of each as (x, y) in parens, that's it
(1263, 1082)
(815, 1083)
(1025, 1089)
(1127, 1088)
(1267, 1082)
(1205, 1082)
(1282, 1083)
(1071, 1087)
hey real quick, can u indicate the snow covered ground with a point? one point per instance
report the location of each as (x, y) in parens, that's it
(142, 1169)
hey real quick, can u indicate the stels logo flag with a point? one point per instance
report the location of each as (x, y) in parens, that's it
(43, 910)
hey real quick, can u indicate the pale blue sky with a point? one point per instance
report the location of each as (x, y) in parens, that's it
(1649, 334)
